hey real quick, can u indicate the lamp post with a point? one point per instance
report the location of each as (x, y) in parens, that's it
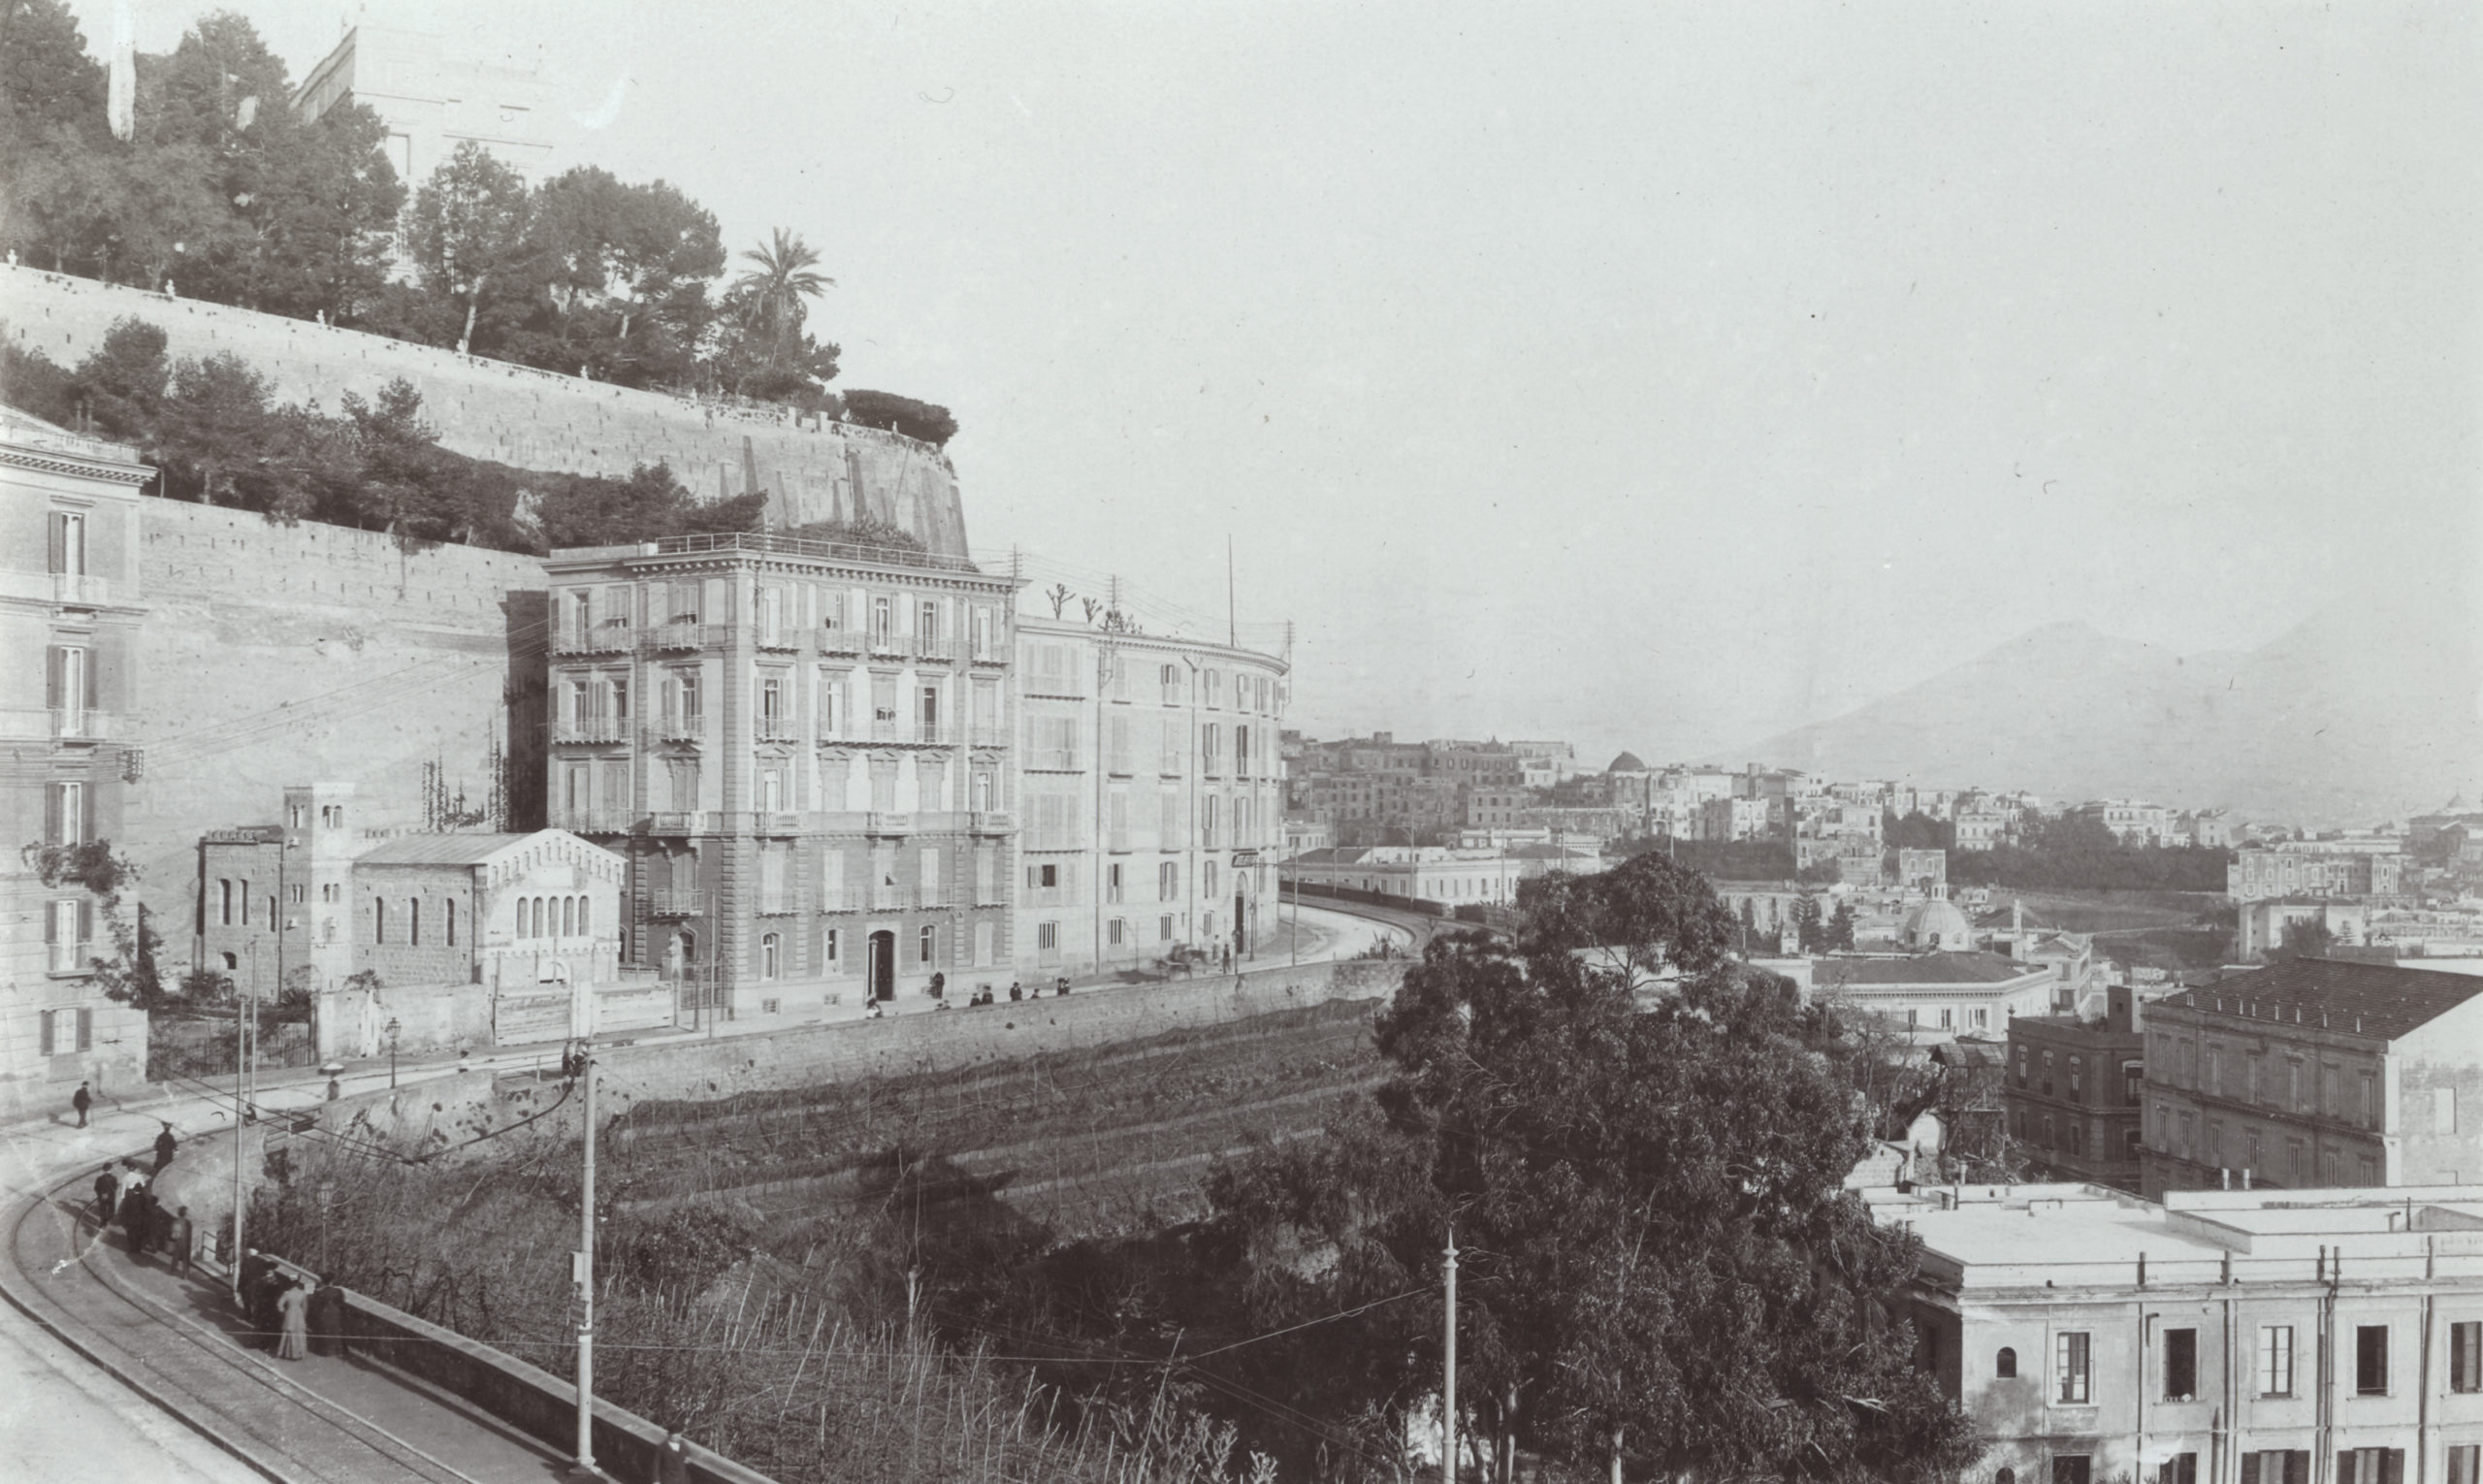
(392, 1052)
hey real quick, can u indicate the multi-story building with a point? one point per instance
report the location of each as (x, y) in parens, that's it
(1426, 873)
(1476, 764)
(2134, 822)
(1488, 808)
(2263, 925)
(2316, 1073)
(807, 753)
(70, 607)
(1154, 797)
(2312, 868)
(1936, 996)
(2220, 1338)
(431, 101)
(1923, 872)
(1733, 818)
(2074, 1090)
(276, 902)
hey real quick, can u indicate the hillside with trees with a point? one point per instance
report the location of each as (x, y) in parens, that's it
(223, 193)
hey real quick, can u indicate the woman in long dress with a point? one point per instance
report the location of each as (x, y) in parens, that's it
(294, 1305)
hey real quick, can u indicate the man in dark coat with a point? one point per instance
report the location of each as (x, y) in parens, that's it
(82, 1100)
(266, 1316)
(107, 1195)
(673, 1459)
(165, 1144)
(327, 1320)
(253, 1275)
(136, 1212)
(179, 1234)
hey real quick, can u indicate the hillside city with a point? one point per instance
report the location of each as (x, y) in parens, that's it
(567, 916)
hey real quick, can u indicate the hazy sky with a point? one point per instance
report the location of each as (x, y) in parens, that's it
(1652, 375)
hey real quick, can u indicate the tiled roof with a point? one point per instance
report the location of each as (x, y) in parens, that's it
(437, 850)
(1921, 969)
(2370, 999)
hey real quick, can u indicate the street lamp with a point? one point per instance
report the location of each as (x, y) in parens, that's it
(392, 1053)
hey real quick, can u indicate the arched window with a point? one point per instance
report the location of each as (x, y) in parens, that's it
(568, 916)
(2005, 1367)
(2006, 1475)
(231, 960)
(584, 929)
(542, 928)
(926, 943)
(520, 932)
(771, 949)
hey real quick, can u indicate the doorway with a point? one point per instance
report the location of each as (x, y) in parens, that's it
(1240, 924)
(884, 965)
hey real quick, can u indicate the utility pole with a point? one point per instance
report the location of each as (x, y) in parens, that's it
(586, 1277)
(233, 1269)
(1448, 1366)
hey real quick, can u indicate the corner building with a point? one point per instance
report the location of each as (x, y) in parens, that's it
(803, 751)
(1154, 799)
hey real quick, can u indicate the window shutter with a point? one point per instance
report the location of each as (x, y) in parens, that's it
(2392, 1462)
(59, 526)
(85, 813)
(50, 924)
(86, 922)
(2345, 1470)
(54, 796)
(54, 661)
(2298, 1465)
(86, 1042)
(50, 1033)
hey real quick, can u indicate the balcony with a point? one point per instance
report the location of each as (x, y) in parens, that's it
(680, 821)
(835, 902)
(989, 653)
(935, 647)
(780, 639)
(85, 589)
(885, 642)
(676, 904)
(685, 637)
(878, 824)
(991, 822)
(840, 641)
(595, 639)
(70, 957)
(889, 898)
(777, 904)
(592, 728)
(776, 822)
(901, 732)
(777, 729)
(84, 723)
(681, 729)
(595, 821)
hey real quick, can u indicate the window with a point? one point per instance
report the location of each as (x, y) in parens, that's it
(2072, 1468)
(2296, 1162)
(451, 924)
(414, 921)
(2466, 1356)
(2370, 1101)
(1164, 928)
(2071, 1371)
(2005, 1364)
(1116, 932)
(1047, 936)
(2465, 1462)
(1112, 881)
(69, 686)
(68, 551)
(2021, 1066)
(1168, 882)
(2179, 1468)
(2443, 1109)
(2048, 1074)
(2277, 1465)
(2370, 1359)
(224, 903)
(2077, 1079)
(68, 815)
(378, 920)
(2275, 1360)
(829, 949)
(927, 944)
(2371, 1465)
(771, 955)
(2180, 1364)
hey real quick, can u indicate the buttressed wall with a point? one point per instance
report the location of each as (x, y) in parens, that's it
(287, 654)
(526, 418)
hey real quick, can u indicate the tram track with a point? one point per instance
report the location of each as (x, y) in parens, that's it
(59, 1271)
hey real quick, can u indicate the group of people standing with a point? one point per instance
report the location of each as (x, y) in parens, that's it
(293, 1313)
(126, 1196)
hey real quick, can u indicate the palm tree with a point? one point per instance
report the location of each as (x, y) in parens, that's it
(777, 286)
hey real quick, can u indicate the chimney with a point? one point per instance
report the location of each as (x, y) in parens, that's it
(2245, 1176)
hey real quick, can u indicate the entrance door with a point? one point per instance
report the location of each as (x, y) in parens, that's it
(884, 965)
(1241, 925)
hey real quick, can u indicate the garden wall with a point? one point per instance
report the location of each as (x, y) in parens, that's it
(526, 418)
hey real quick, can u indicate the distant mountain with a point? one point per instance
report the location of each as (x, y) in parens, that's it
(2347, 717)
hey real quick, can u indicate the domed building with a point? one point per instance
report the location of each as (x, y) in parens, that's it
(1627, 762)
(1937, 923)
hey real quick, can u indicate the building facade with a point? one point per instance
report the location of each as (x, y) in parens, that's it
(2316, 1073)
(805, 750)
(2075, 1091)
(2302, 868)
(1935, 997)
(1153, 799)
(2221, 1338)
(70, 607)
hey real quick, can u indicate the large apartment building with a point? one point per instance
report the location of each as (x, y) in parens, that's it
(1154, 797)
(2316, 1073)
(70, 606)
(2328, 1337)
(804, 750)
(2311, 868)
(2074, 1090)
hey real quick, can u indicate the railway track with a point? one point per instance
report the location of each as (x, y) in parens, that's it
(59, 1271)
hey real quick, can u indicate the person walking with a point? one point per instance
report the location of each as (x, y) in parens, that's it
(292, 1310)
(107, 1195)
(178, 1234)
(164, 1148)
(1015, 992)
(82, 1100)
(672, 1460)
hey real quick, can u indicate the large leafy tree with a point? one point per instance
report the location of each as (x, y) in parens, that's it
(1663, 1273)
(471, 246)
(624, 270)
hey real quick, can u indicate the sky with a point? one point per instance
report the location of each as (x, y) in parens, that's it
(1651, 375)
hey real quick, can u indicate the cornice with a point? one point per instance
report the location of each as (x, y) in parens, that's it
(99, 471)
